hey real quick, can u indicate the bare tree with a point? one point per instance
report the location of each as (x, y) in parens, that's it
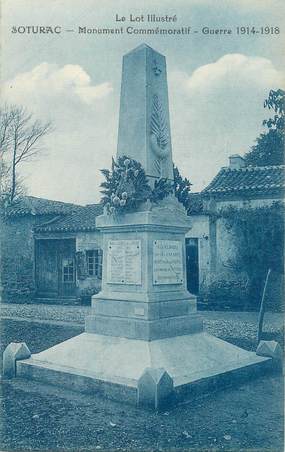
(5, 142)
(20, 141)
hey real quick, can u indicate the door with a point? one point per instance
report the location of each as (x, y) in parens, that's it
(66, 268)
(46, 268)
(55, 268)
(192, 265)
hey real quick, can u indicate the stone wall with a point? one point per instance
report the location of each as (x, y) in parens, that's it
(17, 257)
(215, 248)
(226, 249)
(17, 262)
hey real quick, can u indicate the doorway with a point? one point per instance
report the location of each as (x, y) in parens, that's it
(55, 268)
(192, 265)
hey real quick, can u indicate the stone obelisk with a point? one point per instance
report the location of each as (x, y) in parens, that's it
(144, 126)
(144, 340)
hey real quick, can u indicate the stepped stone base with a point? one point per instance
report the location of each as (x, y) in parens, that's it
(145, 317)
(144, 329)
(113, 366)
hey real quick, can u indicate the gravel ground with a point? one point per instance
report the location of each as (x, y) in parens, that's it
(247, 418)
(235, 326)
(45, 312)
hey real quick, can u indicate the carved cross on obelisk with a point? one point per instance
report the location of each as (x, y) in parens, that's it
(144, 127)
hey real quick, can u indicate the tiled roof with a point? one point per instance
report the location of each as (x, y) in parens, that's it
(39, 206)
(82, 219)
(196, 204)
(248, 180)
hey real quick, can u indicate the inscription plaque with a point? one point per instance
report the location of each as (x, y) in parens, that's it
(124, 262)
(167, 262)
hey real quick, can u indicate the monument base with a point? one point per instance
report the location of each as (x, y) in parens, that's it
(114, 366)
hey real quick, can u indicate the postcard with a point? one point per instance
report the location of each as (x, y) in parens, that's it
(142, 224)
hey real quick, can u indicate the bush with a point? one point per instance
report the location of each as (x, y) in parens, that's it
(224, 291)
(86, 294)
(259, 240)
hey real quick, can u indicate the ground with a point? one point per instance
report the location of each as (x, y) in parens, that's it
(41, 417)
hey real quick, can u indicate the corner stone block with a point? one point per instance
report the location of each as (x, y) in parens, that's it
(269, 348)
(155, 386)
(13, 352)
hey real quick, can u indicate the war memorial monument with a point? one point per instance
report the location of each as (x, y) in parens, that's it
(144, 341)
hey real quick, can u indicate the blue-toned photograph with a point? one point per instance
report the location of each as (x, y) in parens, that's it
(142, 225)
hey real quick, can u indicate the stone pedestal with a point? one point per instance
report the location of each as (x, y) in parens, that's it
(144, 294)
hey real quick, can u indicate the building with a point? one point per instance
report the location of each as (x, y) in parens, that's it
(68, 257)
(210, 240)
(42, 243)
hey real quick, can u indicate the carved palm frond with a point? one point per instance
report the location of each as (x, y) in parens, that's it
(159, 123)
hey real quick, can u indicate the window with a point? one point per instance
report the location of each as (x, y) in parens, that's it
(68, 270)
(94, 263)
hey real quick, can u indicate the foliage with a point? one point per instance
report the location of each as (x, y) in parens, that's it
(269, 150)
(258, 235)
(20, 137)
(225, 290)
(182, 188)
(162, 188)
(269, 147)
(276, 101)
(126, 186)
(87, 293)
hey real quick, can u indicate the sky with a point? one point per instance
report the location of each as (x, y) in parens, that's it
(217, 83)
